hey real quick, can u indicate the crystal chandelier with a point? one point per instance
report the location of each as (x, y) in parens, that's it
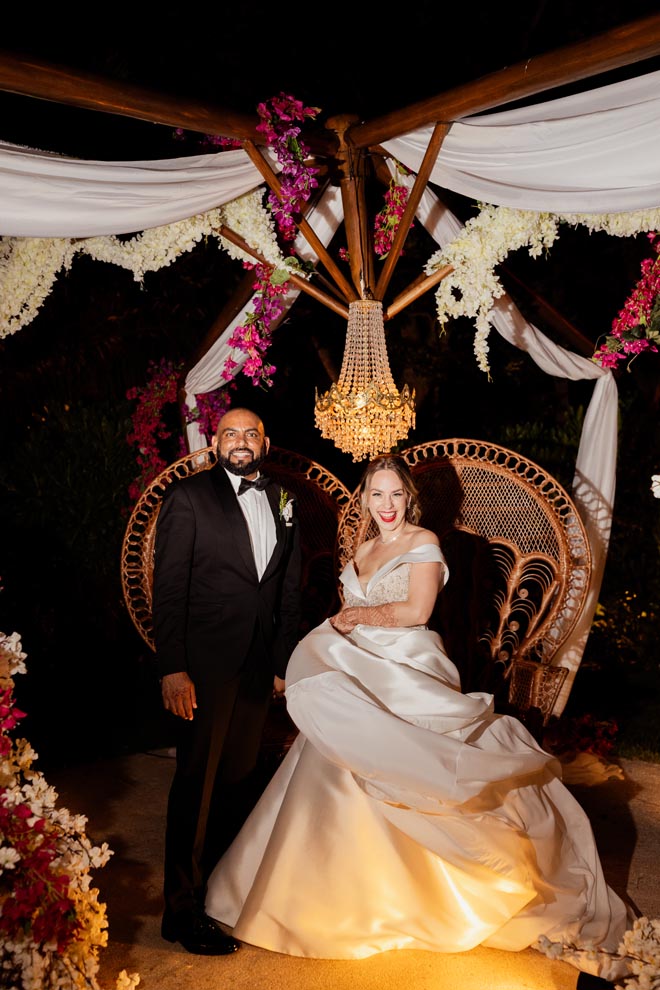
(364, 414)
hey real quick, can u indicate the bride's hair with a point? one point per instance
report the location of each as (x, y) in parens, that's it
(392, 462)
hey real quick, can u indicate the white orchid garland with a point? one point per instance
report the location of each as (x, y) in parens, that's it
(486, 240)
(29, 266)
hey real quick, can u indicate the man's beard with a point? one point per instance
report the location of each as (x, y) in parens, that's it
(245, 467)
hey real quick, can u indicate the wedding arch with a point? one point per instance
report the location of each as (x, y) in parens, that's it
(587, 158)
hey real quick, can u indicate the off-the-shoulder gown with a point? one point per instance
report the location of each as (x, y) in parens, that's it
(407, 814)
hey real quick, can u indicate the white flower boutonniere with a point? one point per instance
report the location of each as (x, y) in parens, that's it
(655, 485)
(286, 507)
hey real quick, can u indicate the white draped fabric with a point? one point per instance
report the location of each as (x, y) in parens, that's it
(595, 467)
(46, 195)
(595, 152)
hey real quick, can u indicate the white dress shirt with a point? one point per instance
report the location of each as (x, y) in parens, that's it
(260, 522)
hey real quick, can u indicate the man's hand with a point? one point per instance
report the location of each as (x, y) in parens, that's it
(278, 687)
(179, 694)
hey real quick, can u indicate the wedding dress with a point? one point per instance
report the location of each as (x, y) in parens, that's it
(407, 814)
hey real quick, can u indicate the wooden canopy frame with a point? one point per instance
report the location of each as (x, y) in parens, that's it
(347, 146)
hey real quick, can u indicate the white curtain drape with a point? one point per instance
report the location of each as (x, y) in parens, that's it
(46, 195)
(594, 152)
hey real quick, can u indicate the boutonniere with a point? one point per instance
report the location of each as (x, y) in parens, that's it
(286, 507)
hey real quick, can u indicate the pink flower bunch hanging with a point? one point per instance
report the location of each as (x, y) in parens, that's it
(280, 118)
(637, 326)
(386, 223)
(253, 337)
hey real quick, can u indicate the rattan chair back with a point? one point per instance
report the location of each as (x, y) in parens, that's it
(519, 563)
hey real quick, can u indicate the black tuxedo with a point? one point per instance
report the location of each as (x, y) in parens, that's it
(231, 631)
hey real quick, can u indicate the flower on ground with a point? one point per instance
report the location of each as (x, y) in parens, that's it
(52, 924)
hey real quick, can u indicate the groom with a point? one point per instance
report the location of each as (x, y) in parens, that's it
(226, 611)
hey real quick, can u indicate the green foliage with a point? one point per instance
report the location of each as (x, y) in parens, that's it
(64, 483)
(553, 446)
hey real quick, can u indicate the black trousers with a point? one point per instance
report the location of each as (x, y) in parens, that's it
(216, 782)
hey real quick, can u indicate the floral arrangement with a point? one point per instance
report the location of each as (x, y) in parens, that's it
(636, 327)
(160, 390)
(29, 266)
(280, 120)
(639, 948)
(52, 924)
(286, 506)
(655, 485)
(149, 427)
(472, 286)
(386, 222)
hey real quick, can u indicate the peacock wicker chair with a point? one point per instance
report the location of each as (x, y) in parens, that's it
(320, 498)
(519, 564)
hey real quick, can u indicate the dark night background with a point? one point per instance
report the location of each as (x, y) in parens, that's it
(66, 466)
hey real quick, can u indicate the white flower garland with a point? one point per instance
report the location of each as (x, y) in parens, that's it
(29, 266)
(485, 241)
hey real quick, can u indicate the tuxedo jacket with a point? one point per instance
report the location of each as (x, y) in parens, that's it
(208, 600)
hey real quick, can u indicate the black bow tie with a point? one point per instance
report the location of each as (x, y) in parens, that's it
(260, 483)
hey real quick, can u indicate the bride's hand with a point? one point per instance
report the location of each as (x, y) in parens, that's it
(344, 621)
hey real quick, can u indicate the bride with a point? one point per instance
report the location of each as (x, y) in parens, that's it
(407, 814)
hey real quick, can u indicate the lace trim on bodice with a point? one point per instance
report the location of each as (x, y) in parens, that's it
(392, 587)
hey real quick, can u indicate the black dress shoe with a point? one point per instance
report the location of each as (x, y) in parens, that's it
(198, 934)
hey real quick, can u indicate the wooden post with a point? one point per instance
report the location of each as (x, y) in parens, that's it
(356, 219)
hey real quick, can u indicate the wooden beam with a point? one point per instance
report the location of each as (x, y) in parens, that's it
(303, 226)
(417, 289)
(621, 46)
(571, 336)
(33, 77)
(421, 179)
(300, 283)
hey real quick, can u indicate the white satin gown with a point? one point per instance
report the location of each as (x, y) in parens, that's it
(407, 815)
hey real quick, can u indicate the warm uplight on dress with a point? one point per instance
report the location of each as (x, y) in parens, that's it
(406, 814)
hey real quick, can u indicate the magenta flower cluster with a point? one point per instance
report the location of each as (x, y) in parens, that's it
(637, 326)
(149, 426)
(253, 337)
(386, 223)
(280, 118)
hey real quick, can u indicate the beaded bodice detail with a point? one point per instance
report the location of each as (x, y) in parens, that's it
(392, 587)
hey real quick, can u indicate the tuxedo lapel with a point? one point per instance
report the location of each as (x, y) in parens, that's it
(273, 494)
(237, 526)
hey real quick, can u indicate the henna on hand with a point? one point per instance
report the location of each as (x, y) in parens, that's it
(368, 615)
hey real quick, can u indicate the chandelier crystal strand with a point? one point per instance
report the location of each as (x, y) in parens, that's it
(364, 413)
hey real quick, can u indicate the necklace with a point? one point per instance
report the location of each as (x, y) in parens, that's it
(391, 539)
